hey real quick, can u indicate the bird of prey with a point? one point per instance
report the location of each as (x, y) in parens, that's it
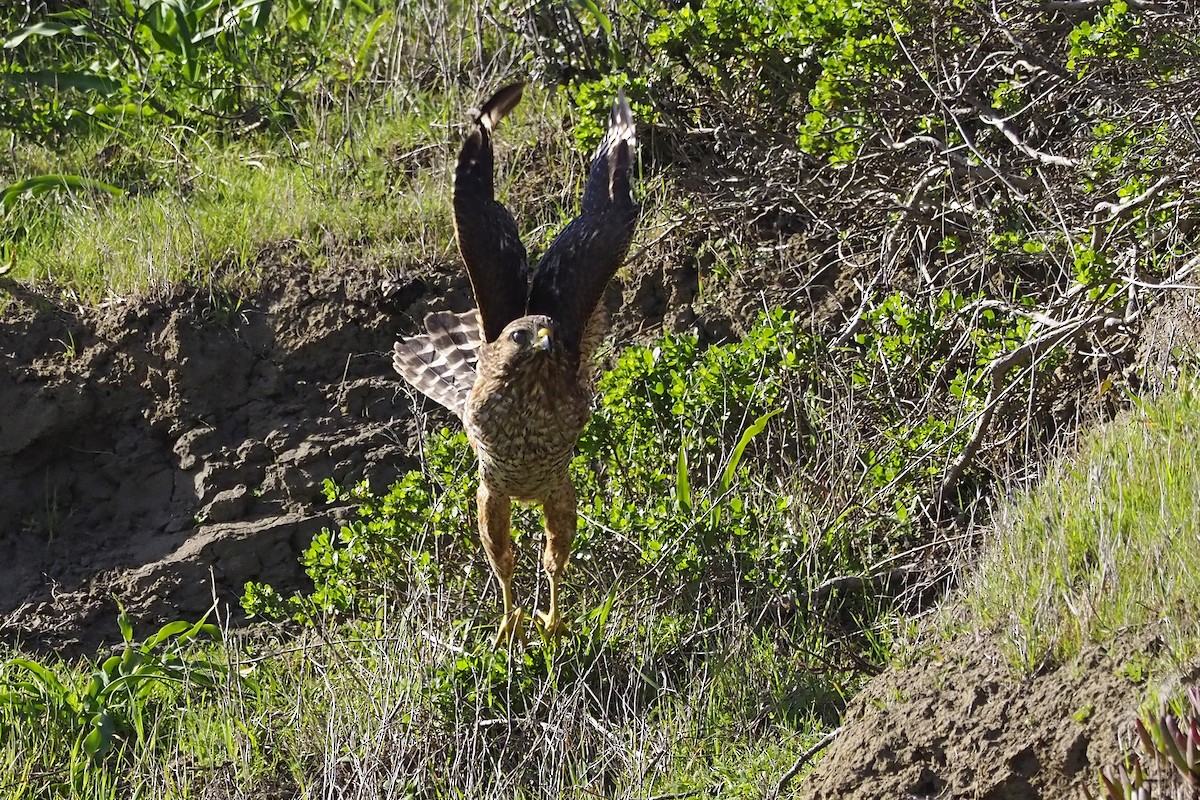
(517, 369)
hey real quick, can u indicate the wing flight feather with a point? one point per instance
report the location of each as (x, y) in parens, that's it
(570, 278)
(486, 233)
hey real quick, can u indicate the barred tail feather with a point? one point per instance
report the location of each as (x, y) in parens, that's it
(441, 363)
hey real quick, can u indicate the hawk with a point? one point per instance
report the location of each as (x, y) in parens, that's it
(517, 369)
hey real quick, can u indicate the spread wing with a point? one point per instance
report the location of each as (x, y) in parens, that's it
(570, 278)
(486, 233)
(441, 362)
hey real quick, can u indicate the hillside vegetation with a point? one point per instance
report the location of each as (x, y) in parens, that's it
(894, 258)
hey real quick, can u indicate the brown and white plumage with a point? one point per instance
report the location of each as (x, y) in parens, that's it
(521, 379)
(441, 363)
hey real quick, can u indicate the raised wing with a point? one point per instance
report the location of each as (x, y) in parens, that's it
(486, 232)
(570, 279)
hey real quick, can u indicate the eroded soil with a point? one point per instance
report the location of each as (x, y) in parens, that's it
(168, 451)
(961, 725)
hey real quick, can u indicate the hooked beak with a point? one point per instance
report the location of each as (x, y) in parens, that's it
(543, 341)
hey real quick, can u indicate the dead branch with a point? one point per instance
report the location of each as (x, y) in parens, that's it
(803, 759)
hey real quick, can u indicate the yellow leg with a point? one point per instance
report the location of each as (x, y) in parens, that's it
(495, 531)
(512, 621)
(559, 508)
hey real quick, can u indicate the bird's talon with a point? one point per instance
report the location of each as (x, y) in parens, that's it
(512, 629)
(551, 626)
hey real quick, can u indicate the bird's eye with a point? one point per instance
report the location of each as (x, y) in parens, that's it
(520, 336)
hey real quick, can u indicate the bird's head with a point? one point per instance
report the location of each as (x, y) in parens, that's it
(524, 341)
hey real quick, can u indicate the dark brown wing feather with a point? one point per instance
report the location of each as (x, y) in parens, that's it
(486, 233)
(570, 278)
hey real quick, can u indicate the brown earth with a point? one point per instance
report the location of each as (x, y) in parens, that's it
(166, 451)
(960, 724)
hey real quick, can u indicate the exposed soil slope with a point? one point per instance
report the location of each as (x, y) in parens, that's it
(962, 726)
(161, 451)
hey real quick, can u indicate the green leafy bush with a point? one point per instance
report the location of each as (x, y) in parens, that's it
(206, 63)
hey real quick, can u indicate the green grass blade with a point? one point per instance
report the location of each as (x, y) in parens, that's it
(736, 457)
(683, 486)
(11, 194)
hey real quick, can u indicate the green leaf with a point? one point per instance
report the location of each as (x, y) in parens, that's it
(72, 13)
(96, 685)
(167, 631)
(597, 15)
(364, 51)
(111, 668)
(125, 624)
(47, 29)
(186, 631)
(747, 436)
(131, 661)
(683, 486)
(99, 741)
(261, 14)
(45, 677)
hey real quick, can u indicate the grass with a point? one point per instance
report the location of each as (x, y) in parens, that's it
(1106, 544)
(206, 211)
(426, 710)
(372, 188)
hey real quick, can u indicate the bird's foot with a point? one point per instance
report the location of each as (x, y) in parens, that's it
(551, 624)
(512, 629)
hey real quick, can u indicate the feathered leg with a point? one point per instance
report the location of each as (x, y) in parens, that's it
(559, 509)
(495, 530)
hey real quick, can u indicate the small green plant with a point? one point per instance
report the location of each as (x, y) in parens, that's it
(118, 702)
(225, 308)
(389, 548)
(1136, 669)
(70, 351)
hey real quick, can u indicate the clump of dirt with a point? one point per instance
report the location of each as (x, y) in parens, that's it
(167, 451)
(962, 725)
